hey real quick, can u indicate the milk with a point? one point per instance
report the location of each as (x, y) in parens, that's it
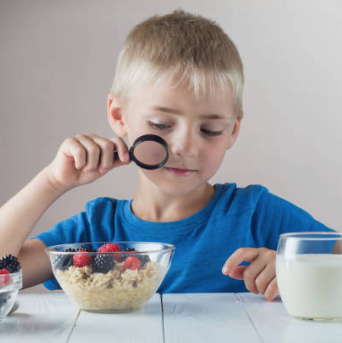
(310, 285)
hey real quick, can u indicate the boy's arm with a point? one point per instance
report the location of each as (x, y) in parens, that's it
(21, 213)
(35, 263)
(18, 217)
(80, 160)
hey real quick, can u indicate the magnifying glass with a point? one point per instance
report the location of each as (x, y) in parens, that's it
(148, 152)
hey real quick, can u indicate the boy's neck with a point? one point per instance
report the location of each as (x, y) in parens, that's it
(157, 206)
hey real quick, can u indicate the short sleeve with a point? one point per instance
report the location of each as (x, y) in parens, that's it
(71, 230)
(95, 224)
(274, 216)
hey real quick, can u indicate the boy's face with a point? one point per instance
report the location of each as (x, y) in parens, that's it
(198, 132)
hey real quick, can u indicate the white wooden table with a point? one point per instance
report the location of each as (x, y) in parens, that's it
(219, 317)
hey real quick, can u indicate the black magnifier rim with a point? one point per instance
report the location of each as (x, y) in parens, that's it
(153, 138)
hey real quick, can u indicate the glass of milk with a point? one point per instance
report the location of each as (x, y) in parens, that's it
(309, 274)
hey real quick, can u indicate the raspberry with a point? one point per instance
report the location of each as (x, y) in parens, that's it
(132, 263)
(125, 254)
(4, 277)
(111, 247)
(143, 258)
(82, 259)
(103, 263)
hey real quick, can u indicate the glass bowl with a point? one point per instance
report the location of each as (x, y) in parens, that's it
(117, 281)
(309, 274)
(9, 287)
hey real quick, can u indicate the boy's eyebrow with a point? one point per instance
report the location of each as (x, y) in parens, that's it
(166, 109)
(175, 111)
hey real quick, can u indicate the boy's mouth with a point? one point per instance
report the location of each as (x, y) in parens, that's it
(182, 172)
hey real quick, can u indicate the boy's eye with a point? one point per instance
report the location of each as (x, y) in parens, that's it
(159, 126)
(211, 132)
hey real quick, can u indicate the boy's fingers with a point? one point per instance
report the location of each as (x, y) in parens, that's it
(93, 152)
(253, 276)
(107, 149)
(107, 152)
(121, 148)
(259, 275)
(74, 149)
(239, 256)
(241, 273)
(256, 279)
(263, 280)
(237, 272)
(271, 290)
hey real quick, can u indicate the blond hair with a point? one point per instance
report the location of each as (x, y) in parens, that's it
(183, 47)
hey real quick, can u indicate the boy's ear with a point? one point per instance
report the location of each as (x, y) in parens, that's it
(114, 115)
(235, 131)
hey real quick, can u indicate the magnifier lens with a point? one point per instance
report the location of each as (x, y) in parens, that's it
(150, 152)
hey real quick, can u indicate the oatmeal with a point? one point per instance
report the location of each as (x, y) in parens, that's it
(118, 289)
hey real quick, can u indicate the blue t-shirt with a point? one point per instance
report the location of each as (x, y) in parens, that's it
(234, 218)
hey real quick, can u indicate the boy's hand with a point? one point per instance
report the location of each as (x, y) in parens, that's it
(83, 159)
(259, 276)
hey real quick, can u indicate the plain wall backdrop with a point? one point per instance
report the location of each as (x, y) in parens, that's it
(57, 61)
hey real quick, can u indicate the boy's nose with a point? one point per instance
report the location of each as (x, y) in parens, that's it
(185, 144)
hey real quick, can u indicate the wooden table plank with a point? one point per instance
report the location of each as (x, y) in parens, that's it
(274, 324)
(144, 325)
(46, 317)
(216, 317)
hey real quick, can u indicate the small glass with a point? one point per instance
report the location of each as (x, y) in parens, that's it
(309, 274)
(10, 284)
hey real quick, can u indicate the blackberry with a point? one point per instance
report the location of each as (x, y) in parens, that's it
(103, 263)
(87, 249)
(70, 250)
(129, 249)
(10, 262)
(143, 258)
(63, 262)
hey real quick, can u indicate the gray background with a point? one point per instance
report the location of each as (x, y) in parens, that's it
(57, 62)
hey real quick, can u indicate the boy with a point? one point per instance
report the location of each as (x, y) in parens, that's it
(179, 76)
